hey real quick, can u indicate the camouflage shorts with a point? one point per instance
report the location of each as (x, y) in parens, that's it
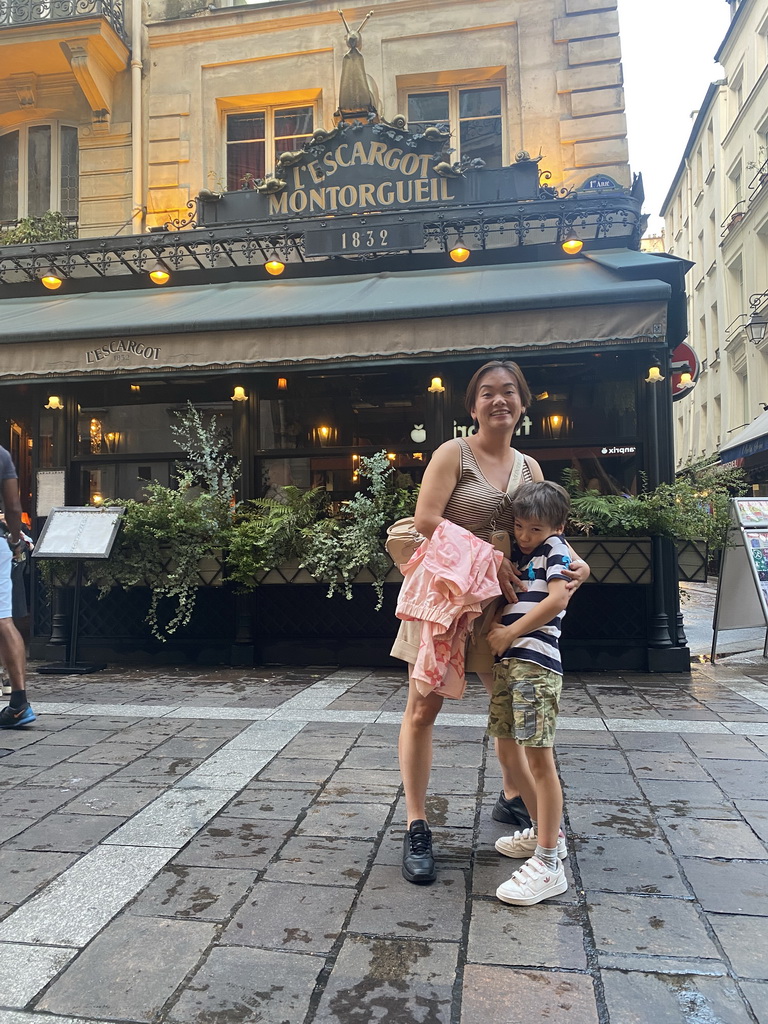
(525, 702)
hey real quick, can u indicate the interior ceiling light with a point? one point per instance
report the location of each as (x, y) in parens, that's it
(51, 279)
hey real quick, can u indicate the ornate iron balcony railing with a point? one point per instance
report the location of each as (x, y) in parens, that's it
(14, 13)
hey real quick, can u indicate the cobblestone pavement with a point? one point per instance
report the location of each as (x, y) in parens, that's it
(201, 846)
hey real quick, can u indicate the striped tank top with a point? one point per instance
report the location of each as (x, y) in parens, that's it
(474, 503)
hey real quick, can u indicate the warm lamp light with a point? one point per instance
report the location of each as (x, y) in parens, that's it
(54, 402)
(274, 265)
(239, 395)
(282, 384)
(159, 274)
(436, 387)
(135, 388)
(654, 375)
(391, 456)
(686, 381)
(459, 253)
(324, 432)
(51, 279)
(572, 245)
(97, 499)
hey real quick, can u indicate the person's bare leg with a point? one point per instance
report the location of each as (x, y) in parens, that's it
(414, 749)
(13, 654)
(549, 794)
(516, 777)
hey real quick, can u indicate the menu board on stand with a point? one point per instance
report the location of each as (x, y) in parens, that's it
(742, 590)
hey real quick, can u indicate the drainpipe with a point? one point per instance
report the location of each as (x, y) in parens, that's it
(137, 209)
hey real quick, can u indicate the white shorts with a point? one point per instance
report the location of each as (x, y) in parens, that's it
(6, 560)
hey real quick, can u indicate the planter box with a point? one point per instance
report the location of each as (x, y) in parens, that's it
(620, 560)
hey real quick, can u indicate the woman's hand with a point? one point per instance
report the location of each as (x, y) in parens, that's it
(577, 574)
(509, 579)
(499, 638)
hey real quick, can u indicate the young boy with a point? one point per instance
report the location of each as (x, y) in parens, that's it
(528, 679)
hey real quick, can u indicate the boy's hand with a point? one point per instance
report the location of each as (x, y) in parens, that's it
(500, 637)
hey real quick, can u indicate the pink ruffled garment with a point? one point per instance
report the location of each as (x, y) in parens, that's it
(445, 585)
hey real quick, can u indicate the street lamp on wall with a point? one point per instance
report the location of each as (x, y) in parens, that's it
(758, 321)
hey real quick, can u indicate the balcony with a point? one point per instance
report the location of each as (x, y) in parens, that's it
(17, 13)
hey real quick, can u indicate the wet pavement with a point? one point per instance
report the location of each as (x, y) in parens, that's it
(201, 846)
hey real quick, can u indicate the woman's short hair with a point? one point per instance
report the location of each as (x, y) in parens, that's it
(543, 500)
(470, 398)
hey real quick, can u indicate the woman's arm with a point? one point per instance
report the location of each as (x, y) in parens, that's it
(579, 571)
(437, 486)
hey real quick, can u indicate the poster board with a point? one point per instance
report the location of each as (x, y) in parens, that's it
(742, 590)
(50, 490)
(78, 532)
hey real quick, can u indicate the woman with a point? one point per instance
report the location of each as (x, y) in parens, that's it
(465, 482)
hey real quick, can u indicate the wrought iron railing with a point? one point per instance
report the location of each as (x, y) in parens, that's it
(14, 13)
(734, 217)
(759, 181)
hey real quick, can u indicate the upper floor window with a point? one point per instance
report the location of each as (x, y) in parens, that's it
(39, 169)
(255, 140)
(474, 114)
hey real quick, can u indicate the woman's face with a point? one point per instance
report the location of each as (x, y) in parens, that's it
(497, 403)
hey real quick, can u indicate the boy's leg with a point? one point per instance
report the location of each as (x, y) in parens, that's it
(516, 780)
(549, 795)
(515, 765)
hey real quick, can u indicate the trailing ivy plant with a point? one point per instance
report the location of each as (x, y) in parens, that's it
(51, 227)
(338, 549)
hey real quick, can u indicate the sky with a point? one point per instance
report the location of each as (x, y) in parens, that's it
(668, 49)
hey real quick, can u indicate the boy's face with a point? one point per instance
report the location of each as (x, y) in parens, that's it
(529, 533)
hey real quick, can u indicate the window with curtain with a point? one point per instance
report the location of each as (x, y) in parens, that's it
(475, 114)
(255, 140)
(39, 169)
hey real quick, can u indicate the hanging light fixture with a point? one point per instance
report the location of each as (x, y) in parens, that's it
(282, 383)
(51, 279)
(756, 326)
(159, 273)
(571, 244)
(459, 253)
(238, 395)
(436, 387)
(54, 402)
(654, 375)
(274, 265)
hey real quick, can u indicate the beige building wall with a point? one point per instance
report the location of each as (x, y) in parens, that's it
(716, 214)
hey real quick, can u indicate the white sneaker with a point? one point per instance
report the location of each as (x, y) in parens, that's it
(523, 845)
(5, 683)
(532, 883)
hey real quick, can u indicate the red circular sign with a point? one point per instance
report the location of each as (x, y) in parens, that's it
(684, 362)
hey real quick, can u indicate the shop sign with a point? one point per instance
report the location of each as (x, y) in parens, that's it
(120, 350)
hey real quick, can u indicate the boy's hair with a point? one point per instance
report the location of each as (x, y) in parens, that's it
(549, 503)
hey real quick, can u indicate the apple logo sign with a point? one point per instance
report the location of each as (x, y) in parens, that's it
(418, 433)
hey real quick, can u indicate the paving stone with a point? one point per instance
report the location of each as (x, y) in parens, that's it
(71, 776)
(202, 894)
(734, 748)
(729, 887)
(664, 743)
(324, 748)
(299, 772)
(445, 781)
(637, 998)
(12, 775)
(10, 827)
(113, 752)
(584, 737)
(355, 821)
(611, 819)
(172, 819)
(365, 758)
(235, 844)
(65, 833)
(590, 759)
(285, 916)
(647, 764)
(650, 963)
(375, 979)
(150, 769)
(452, 811)
(81, 736)
(498, 994)
(41, 755)
(628, 865)
(546, 935)
(729, 839)
(360, 786)
(757, 997)
(322, 860)
(269, 800)
(686, 799)
(25, 873)
(756, 814)
(745, 941)
(108, 798)
(598, 786)
(390, 906)
(130, 969)
(248, 985)
(746, 780)
(25, 970)
(649, 925)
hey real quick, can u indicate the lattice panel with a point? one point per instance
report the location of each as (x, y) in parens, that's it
(620, 560)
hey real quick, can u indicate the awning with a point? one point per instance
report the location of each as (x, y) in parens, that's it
(330, 320)
(750, 441)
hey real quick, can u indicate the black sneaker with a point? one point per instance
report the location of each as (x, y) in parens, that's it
(12, 718)
(511, 812)
(418, 862)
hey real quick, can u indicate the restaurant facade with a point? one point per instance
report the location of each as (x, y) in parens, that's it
(330, 288)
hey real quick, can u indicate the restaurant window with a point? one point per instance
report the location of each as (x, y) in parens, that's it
(255, 139)
(39, 169)
(473, 113)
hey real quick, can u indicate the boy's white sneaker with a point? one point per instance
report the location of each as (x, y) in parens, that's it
(532, 883)
(523, 845)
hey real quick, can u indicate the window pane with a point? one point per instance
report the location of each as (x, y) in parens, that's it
(291, 123)
(245, 127)
(38, 170)
(482, 139)
(428, 106)
(480, 102)
(9, 176)
(70, 173)
(245, 160)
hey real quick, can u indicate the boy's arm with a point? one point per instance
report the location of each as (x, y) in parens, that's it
(500, 637)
